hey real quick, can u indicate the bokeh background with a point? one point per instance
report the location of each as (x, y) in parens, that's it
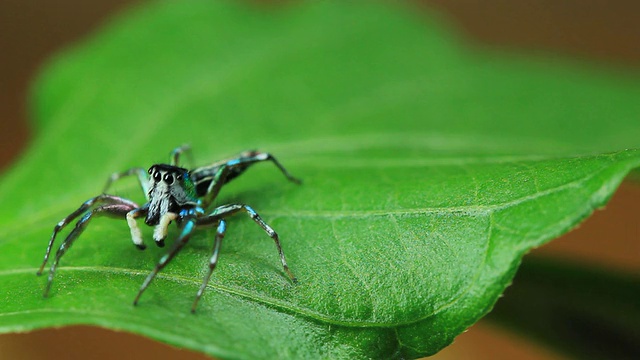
(596, 31)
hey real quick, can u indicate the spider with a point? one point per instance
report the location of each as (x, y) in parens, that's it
(175, 194)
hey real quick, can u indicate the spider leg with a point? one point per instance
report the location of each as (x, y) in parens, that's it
(118, 210)
(175, 154)
(219, 179)
(222, 228)
(189, 226)
(251, 157)
(248, 158)
(224, 211)
(82, 209)
(143, 179)
(221, 173)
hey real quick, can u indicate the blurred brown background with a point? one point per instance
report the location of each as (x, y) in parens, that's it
(606, 32)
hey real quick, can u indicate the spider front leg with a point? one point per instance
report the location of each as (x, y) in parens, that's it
(115, 207)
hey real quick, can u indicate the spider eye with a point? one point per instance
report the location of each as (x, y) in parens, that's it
(150, 170)
(156, 176)
(179, 177)
(168, 178)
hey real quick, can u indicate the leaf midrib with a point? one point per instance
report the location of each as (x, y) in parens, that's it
(59, 207)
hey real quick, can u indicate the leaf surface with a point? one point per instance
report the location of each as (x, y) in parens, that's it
(429, 171)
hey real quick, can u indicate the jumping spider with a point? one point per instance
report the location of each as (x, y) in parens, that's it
(175, 194)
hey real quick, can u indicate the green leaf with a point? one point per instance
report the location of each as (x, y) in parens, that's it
(587, 313)
(429, 171)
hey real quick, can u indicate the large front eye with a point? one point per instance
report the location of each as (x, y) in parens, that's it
(168, 178)
(157, 176)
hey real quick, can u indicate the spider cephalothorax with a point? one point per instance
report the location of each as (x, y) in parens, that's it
(172, 193)
(170, 189)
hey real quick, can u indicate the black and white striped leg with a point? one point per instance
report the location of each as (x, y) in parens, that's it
(101, 199)
(118, 210)
(222, 229)
(187, 229)
(250, 157)
(143, 179)
(230, 169)
(229, 210)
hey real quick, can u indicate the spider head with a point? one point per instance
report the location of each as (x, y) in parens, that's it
(170, 190)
